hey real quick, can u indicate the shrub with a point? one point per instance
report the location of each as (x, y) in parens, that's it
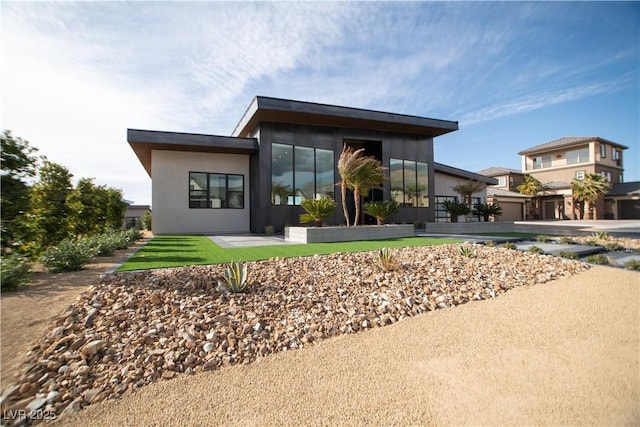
(509, 245)
(69, 255)
(381, 210)
(566, 240)
(418, 225)
(598, 259)
(486, 211)
(385, 260)
(535, 250)
(591, 242)
(134, 234)
(16, 271)
(613, 246)
(269, 230)
(568, 255)
(235, 278)
(146, 220)
(317, 210)
(490, 243)
(543, 238)
(455, 209)
(633, 264)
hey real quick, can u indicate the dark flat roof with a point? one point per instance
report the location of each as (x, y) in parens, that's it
(450, 170)
(143, 141)
(265, 109)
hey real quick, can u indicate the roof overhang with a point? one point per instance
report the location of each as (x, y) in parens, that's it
(143, 142)
(461, 173)
(264, 109)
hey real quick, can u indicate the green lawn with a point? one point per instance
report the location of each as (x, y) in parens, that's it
(176, 251)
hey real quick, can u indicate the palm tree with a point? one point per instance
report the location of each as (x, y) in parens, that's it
(348, 164)
(487, 210)
(317, 210)
(531, 186)
(369, 175)
(380, 210)
(466, 189)
(588, 190)
(455, 209)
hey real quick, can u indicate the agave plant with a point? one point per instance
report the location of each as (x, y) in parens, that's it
(466, 251)
(385, 260)
(317, 210)
(235, 278)
(381, 210)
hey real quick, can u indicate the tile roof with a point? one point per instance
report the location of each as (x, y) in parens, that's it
(624, 189)
(556, 185)
(568, 141)
(497, 170)
(491, 191)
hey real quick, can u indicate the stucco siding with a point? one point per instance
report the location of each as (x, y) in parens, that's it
(170, 193)
(443, 186)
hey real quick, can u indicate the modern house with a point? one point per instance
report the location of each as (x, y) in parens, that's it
(282, 152)
(133, 215)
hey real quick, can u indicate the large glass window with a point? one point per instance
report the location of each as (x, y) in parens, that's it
(299, 173)
(215, 191)
(441, 213)
(409, 182)
(542, 162)
(578, 156)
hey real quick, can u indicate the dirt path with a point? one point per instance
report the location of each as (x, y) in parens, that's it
(25, 314)
(561, 353)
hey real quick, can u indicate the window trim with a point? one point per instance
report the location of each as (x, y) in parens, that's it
(226, 190)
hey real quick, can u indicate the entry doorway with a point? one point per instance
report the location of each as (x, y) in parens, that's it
(553, 209)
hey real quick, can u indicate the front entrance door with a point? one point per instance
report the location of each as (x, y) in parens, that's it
(553, 209)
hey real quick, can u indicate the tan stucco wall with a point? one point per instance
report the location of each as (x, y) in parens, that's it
(170, 193)
(443, 186)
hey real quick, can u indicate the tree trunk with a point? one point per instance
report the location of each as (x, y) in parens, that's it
(454, 218)
(345, 211)
(380, 221)
(587, 209)
(356, 200)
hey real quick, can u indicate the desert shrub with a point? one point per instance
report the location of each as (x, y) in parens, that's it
(418, 225)
(600, 235)
(591, 242)
(509, 245)
(613, 246)
(235, 278)
(133, 235)
(568, 255)
(633, 264)
(16, 271)
(381, 209)
(490, 243)
(535, 250)
(69, 255)
(317, 210)
(566, 240)
(269, 230)
(542, 238)
(599, 259)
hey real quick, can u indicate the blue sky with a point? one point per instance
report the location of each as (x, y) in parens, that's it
(75, 76)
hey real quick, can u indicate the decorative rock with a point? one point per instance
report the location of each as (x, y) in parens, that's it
(91, 394)
(208, 347)
(36, 404)
(92, 348)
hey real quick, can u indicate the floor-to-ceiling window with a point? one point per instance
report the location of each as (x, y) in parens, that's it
(409, 182)
(299, 173)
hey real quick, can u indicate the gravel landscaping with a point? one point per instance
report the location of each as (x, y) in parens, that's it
(132, 329)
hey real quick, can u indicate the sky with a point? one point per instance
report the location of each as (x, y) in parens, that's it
(75, 76)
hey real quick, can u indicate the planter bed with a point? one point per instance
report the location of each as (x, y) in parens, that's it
(347, 234)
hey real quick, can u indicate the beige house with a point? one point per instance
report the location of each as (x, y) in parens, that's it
(555, 164)
(505, 193)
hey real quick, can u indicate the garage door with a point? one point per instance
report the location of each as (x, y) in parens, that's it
(511, 211)
(629, 209)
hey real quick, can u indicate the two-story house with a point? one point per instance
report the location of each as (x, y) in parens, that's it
(555, 164)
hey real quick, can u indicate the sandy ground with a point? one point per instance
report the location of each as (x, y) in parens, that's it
(562, 353)
(24, 314)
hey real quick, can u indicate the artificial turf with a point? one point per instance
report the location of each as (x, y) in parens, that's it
(177, 251)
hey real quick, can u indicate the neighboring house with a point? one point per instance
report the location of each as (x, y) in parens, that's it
(447, 177)
(506, 194)
(555, 164)
(280, 153)
(133, 215)
(623, 201)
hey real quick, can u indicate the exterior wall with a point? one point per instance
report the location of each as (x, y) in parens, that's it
(170, 193)
(393, 145)
(443, 186)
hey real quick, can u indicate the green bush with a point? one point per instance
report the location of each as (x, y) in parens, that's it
(15, 272)
(381, 209)
(509, 245)
(536, 250)
(633, 264)
(613, 246)
(69, 255)
(598, 259)
(543, 238)
(567, 240)
(568, 255)
(317, 210)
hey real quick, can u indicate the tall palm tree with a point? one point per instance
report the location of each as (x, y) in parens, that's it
(588, 190)
(369, 175)
(348, 163)
(530, 187)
